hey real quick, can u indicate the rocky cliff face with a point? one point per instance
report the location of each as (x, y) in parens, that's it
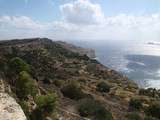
(43, 67)
(10, 109)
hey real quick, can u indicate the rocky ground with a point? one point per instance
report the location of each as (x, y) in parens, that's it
(9, 108)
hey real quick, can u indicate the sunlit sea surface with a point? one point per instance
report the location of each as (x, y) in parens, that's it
(139, 61)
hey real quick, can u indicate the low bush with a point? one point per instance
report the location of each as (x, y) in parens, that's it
(72, 91)
(25, 85)
(17, 65)
(153, 110)
(25, 108)
(149, 118)
(3, 64)
(58, 83)
(87, 107)
(46, 105)
(47, 102)
(135, 104)
(90, 107)
(103, 87)
(133, 116)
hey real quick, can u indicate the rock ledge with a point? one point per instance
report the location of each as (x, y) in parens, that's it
(10, 109)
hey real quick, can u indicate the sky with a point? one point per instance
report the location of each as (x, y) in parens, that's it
(81, 19)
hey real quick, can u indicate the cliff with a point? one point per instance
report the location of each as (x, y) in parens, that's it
(82, 51)
(9, 108)
(55, 80)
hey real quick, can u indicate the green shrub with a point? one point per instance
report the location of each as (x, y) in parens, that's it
(135, 104)
(87, 107)
(102, 114)
(25, 85)
(58, 83)
(151, 92)
(73, 91)
(46, 103)
(103, 87)
(133, 116)
(17, 65)
(90, 107)
(2, 64)
(149, 118)
(153, 110)
(25, 108)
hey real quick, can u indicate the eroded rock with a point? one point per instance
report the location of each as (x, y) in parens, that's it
(10, 109)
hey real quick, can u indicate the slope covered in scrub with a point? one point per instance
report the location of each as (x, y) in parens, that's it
(51, 81)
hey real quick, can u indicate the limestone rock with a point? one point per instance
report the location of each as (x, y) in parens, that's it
(10, 109)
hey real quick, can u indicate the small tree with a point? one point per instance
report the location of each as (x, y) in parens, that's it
(135, 104)
(25, 85)
(17, 65)
(153, 110)
(46, 104)
(103, 87)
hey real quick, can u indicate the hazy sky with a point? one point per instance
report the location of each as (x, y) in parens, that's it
(81, 19)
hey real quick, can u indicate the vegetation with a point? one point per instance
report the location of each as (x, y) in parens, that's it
(149, 118)
(58, 83)
(153, 110)
(46, 104)
(2, 64)
(17, 65)
(25, 108)
(151, 92)
(25, 85)
(133, 116)
(50, 67)
(135, 104)
(90, 107)
(72, 90)
(103, 87)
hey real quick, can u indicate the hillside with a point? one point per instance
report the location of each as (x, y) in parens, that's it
(54, 82)
(82, 51)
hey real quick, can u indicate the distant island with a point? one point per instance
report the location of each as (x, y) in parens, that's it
(153, 43)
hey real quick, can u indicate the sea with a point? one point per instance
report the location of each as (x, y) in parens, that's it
(139, 61)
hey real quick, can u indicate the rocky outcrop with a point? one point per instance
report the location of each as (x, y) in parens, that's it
(10, 109)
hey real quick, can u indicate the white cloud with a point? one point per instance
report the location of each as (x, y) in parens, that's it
(82, 12)
(21, 22)
(20, 26)
(84, 20)
(130, 27)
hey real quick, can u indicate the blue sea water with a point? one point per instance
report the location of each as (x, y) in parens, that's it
(139, 61)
